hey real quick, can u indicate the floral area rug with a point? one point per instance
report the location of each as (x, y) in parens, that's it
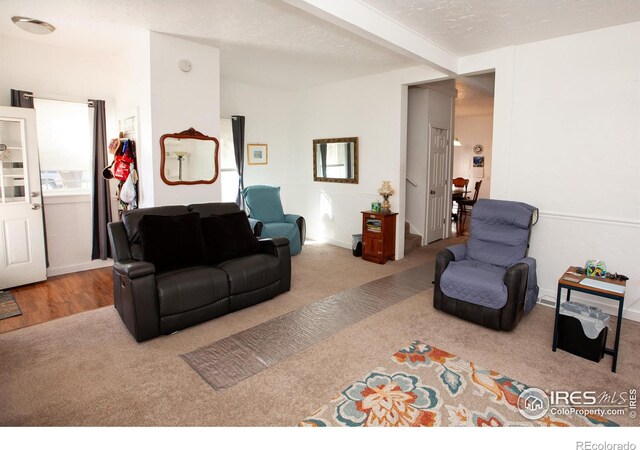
(426, 386)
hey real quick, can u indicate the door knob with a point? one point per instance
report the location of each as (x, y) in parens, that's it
(432, 192)
(35, 206)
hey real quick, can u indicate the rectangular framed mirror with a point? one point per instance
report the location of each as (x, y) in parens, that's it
(335, 160)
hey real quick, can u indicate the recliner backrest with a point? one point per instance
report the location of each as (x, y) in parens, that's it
(499, 231)
(264, 203)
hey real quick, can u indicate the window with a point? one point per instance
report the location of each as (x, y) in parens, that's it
(228, 170)
(64, 146)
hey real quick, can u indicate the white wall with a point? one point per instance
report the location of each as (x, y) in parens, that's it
(269, 120)
(67, 74)
(373, 109)
(570, 148)
(181, 100)
(472, 130)
(133, 96)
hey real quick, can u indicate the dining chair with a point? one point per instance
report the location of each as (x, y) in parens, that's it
(461, 182)
(458, 182)
(463, 203)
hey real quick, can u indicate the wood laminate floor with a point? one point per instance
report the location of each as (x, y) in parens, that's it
(60, 296)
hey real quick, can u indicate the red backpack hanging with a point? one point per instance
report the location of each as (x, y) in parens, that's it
(122, 162)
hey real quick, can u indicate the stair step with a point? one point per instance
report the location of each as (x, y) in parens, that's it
(411, 242)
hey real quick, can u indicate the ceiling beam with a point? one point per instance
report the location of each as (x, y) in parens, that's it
(361, 19)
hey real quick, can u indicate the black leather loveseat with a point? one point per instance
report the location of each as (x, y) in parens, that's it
(164, 283)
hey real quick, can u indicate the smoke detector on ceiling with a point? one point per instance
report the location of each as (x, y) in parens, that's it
(34, 26)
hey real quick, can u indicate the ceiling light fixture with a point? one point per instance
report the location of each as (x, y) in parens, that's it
(34, 26)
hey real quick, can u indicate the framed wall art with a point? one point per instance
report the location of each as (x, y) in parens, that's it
(258, 154)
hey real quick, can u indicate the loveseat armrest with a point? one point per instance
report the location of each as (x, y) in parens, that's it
(133, 269)
(118, 241)
(300, 222)
(274, 246)
(279, 247)
(256, 226)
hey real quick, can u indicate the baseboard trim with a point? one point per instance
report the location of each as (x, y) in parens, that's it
(606, 306)
(330, 241)
(95, 264)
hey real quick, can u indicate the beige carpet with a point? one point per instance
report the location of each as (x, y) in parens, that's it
(87, 370)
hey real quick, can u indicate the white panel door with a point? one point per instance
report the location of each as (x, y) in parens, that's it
(22, 250)
(436, 184)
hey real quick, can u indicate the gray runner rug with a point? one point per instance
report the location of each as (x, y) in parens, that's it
(8, 305)
(230, 360)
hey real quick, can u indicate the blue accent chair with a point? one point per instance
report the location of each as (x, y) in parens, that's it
(268, 219)
(490, 280)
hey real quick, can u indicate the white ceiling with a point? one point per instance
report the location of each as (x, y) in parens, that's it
(272, 43)
(466, 27)
(266, 42)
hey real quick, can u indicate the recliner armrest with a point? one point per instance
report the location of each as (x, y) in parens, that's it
(515, 279)
(459, 251)
(132, 268)
(300, 222)
(256, 226)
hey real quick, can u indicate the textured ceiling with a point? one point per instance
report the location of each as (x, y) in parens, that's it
(466, 27)
(266, 42)
(474, 94)
(271, 43)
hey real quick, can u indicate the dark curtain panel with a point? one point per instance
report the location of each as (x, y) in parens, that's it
(323, 159)
(18, 99)
(237, 126)
(101, 198)
(348, 159)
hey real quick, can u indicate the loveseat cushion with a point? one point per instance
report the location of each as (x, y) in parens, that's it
(251, 272)
(228, 236)
(214, 208)
(131, 220)
(172, 242)
(187, 289)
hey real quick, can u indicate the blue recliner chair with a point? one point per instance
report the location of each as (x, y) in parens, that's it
(490, 280)
(269, 220)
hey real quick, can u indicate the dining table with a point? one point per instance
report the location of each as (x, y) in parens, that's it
(457, 193)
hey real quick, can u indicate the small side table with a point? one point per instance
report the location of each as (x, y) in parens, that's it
(576, 286)
(378, 236)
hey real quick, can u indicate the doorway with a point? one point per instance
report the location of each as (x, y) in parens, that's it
(462, 110)
(472, 151)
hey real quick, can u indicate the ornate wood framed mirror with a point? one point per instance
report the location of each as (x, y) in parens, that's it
(189, 157)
